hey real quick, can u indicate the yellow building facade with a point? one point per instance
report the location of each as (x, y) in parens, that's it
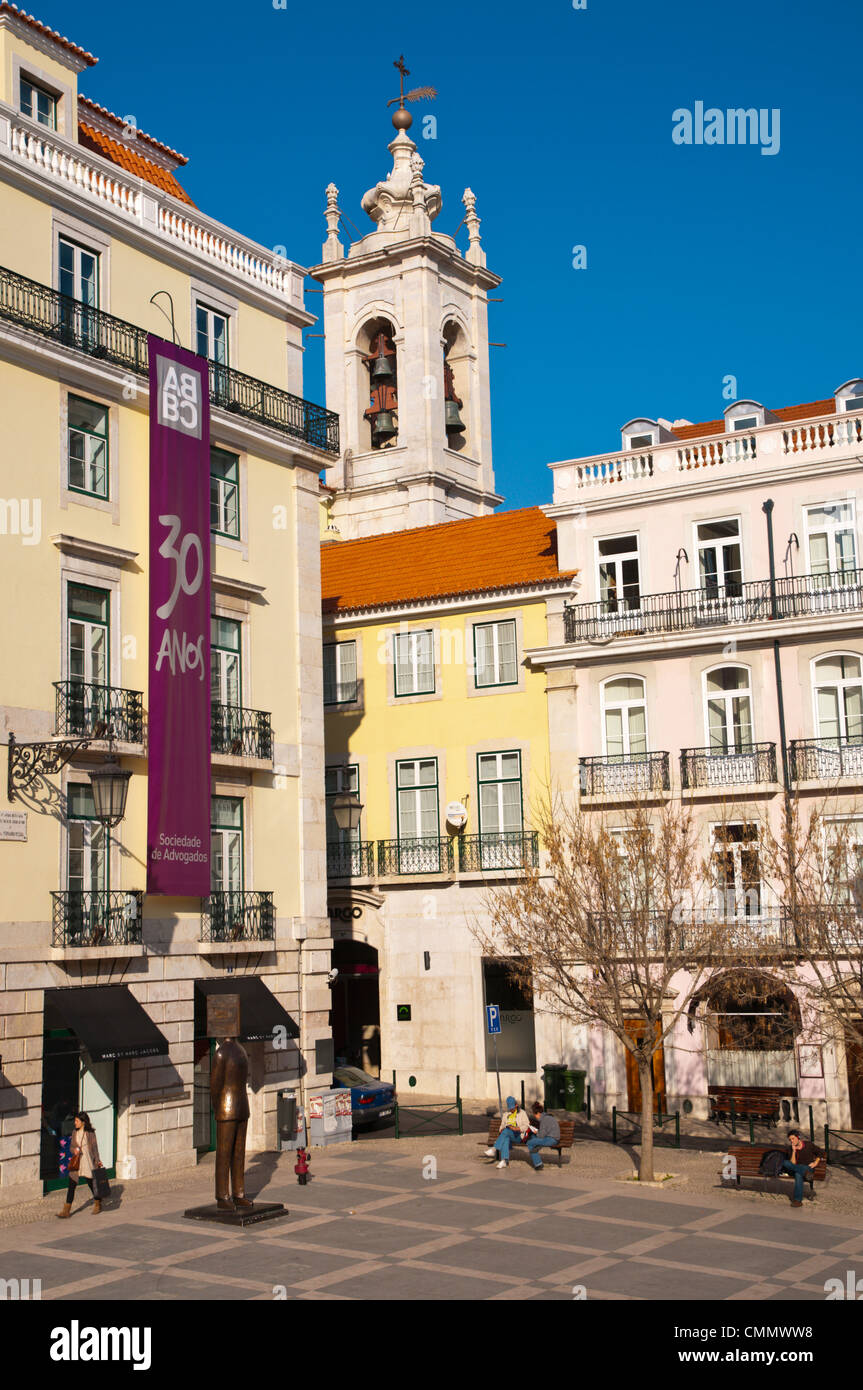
(438, 726)
(99, 245)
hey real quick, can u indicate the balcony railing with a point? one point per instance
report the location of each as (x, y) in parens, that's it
(242, 733)
(354, 860)
(804, 595)
(96, 918)
(40, 309)
(825, 759)
(427, 854)
(624, 775)
(711, 767)
(509, 849)
(227, 915)
(83, 709)
(698, 929)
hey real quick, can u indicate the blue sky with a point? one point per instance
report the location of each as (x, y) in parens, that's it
(703, 262)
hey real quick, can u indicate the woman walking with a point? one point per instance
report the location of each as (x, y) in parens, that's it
(83, 1158)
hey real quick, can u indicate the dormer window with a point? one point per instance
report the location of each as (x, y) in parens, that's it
(641, 434)
(850, 396)
(746, 415)
(38, 104)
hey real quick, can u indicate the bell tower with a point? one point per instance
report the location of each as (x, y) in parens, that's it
(406, 329)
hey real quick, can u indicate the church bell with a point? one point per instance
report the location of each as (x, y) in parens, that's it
(384, 425)
(454, 424)
(382, 368)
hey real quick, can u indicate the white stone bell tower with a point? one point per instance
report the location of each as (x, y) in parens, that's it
(416, 439)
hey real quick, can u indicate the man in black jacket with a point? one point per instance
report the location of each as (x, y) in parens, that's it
(804, 1156)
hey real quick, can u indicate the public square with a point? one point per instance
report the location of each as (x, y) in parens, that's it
(370, 1225)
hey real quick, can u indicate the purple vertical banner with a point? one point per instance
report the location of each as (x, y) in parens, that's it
(178, 782)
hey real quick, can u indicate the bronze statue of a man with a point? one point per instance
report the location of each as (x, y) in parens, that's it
(229, 1074)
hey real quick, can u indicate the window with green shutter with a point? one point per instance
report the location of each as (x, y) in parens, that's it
(500, 797)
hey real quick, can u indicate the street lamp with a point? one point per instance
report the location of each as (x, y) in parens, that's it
(110, 787)
(347, 810)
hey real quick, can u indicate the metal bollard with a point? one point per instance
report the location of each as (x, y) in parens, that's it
(614, 1124)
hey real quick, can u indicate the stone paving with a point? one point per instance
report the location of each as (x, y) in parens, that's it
(371, 1226)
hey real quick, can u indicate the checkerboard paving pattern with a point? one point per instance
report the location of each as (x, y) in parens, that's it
(372, 1226)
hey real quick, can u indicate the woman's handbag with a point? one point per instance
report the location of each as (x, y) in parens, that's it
(101, 1186)
(75, 1161)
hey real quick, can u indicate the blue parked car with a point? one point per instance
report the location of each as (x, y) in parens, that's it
(371, 1099)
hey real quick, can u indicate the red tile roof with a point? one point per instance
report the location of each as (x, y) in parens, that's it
(120, 154)
(507, 550)
(784, 412)
(51, 33)
(174, 155)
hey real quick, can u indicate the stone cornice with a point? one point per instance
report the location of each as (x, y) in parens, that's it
(448, 603)
(427, 246)
(84, 549)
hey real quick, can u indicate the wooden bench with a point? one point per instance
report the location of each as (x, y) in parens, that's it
(747, 1158)
(567, 1134)
(749, 1103)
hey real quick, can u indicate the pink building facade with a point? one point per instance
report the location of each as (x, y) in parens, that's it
(712, 649)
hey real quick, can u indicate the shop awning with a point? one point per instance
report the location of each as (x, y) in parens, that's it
(107, 1019)
(260, 1010)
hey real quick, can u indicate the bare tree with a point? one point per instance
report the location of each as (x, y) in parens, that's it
(816, 864)
(620, 925)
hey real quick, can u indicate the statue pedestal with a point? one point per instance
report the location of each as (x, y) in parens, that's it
(243, 1216)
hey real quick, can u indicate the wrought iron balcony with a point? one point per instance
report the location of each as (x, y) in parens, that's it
(427, 854)
(805, 595)
(624, 775)
(825, 759)
(242, 733)
(355, 859)
(700, 929)
(40, 309)
(227, 915)
(83, 709)
(711, 767)
(509, 849)
(96, 918)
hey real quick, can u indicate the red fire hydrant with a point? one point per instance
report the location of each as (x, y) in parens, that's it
(301, 1167)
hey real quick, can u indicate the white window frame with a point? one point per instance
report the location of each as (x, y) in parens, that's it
(411, 636)
(830, 530)
(627, 705)
(726, 697)
(495, 624)
(417, 789)
(338, 647)
(213, 314)
(843, 683)
(599, 560)
(44, 91)
(347, 778)
(735, 850)
(698, 546)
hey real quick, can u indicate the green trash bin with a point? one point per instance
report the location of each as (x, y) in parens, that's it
(553, 1080)
(573, 1089)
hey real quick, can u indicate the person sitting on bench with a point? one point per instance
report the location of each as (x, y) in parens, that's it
(513, 1130)
(546, 1134)
(804, 1156)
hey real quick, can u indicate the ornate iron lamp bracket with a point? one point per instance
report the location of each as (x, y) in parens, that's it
(27, 761)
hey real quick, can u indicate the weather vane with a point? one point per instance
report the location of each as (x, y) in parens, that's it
(402, 119)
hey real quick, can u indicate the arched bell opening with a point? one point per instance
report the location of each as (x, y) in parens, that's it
(380, 387)
(456, 369)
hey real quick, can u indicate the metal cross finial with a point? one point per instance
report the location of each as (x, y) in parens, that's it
(403, 73)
